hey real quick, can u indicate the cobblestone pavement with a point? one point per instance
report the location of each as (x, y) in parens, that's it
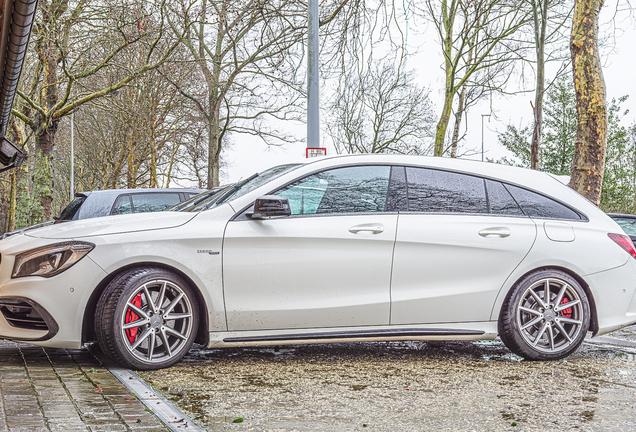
(64, 390)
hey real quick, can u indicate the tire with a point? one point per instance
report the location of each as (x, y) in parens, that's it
(538, 330)
(146, 319)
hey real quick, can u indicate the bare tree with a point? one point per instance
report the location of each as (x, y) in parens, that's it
(74, 42)
(383, 111)
(477, 44)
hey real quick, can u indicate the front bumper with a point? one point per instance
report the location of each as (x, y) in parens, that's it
(60, 301)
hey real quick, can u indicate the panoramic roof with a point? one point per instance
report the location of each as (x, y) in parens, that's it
(16, 21)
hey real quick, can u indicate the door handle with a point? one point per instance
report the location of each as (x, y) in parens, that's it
(495, 232)
(374, 228)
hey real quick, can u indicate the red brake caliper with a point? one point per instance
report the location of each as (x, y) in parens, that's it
(566, 313)
(131, 316)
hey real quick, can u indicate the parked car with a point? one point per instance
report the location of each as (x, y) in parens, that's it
(107, 202)
(627, 222)
(348, 248)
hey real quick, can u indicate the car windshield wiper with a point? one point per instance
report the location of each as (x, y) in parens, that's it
(230, 191)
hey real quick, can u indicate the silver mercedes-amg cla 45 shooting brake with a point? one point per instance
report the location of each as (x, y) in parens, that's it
(350, 248)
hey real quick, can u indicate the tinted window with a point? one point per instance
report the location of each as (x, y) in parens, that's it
(539, 206)
(154, 202)
(628, 224)
(122, 205)
(445, 192)
(344, 190)
(70, 210)
(500, 200)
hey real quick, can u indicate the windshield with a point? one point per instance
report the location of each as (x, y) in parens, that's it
(198, 202)
(253, 182)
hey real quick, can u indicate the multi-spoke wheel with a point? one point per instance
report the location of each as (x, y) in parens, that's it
(146, 319)
(545, 316)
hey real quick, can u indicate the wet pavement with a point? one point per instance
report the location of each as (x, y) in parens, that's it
(65, 390)
(406, 386)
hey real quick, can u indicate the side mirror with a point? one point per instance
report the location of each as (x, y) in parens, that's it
(270, 206)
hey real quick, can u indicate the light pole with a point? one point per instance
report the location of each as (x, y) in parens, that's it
(482, 134)
(313, 90)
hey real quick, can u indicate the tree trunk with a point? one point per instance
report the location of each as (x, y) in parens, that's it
(214, 151)
(458, 121)
(13, 201)
(442, 125)
(591, 137)
(540, 25)
(43, 174)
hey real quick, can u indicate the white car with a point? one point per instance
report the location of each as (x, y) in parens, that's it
(349, 248)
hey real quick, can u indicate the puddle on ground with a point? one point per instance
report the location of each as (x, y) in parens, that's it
(392, 386)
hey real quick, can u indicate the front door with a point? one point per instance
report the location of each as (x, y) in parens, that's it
(327, 265)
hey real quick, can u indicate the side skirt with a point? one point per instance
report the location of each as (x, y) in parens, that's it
(379, 334)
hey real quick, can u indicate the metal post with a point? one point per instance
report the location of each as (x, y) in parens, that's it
(72, 158)
(313, 89)
(482, 134)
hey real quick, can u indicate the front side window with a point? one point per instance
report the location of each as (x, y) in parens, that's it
(359, 189)
(435, 191)
(154, 202)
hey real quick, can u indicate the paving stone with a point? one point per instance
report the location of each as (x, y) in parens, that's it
(43, 389)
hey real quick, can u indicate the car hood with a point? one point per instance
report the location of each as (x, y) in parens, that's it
(108, 225)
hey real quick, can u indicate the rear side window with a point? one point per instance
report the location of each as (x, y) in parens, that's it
(434, 191)
(154, 202)
(122, 205)
(539, 206)
(359, 189)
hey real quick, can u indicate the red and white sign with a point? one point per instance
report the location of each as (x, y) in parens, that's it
(316, 152)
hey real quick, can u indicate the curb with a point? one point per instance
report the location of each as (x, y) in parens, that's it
(170, 415)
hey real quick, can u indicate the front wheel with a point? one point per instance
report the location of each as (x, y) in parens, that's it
(146, 319)
(545, 316)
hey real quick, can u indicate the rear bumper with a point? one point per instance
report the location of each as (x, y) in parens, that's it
(614, 293)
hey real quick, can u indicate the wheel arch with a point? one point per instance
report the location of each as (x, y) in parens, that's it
(593, 314)
(88, 325)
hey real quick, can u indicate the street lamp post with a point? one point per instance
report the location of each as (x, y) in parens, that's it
(482, 134)
(313, 89)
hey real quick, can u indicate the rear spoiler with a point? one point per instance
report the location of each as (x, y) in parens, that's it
(10, 155)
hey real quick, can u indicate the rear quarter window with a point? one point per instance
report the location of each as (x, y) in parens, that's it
(538, 206)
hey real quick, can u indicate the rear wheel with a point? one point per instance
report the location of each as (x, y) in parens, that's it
(146, 319)
(545, 316)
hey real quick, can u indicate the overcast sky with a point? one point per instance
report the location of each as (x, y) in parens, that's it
(248, 155)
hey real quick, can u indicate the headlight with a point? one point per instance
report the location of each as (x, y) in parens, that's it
(50, 260)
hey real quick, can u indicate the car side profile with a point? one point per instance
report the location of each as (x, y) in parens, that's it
(347, 248)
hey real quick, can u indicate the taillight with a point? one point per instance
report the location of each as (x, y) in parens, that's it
(625, 242)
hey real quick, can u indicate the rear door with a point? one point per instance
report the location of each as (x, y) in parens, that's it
(458, 240)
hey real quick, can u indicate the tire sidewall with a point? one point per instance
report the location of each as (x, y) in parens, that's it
(124, 288)
(512, 336)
